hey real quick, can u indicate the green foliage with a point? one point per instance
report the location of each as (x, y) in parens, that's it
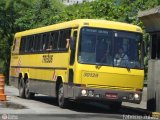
(39, 13)
(18, 15)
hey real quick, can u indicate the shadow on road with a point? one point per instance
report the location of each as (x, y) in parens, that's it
(5, 104)
(93, 107)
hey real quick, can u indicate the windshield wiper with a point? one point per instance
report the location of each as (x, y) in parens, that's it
(127, 66)
(99, 65)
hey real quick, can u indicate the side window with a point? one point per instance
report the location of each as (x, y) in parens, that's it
(54, 39)
(27, 45)
(41, 42)
(37, 42)
(31, 43)
(45, 40)
(64, 34)
(22, 44)
(34, 43)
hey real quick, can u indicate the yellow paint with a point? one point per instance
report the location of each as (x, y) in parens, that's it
(81, 23)
(111, 77)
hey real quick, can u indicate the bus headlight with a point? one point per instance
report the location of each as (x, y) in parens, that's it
(136, 96)
(83, 92)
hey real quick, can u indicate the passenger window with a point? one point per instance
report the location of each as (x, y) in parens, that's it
(37, 43)
(44, 37)
(64, 34)
(27, 44)
(54, 39)
(47, 42)
(22, 45)
(41, 42)
(44, 42)
(31, 43)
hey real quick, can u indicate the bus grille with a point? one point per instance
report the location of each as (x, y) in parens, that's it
(110, 87)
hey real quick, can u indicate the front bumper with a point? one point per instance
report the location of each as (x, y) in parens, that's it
(107, 95)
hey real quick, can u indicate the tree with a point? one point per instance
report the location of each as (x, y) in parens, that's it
(18, 15)
(40, 13)
(9, 13)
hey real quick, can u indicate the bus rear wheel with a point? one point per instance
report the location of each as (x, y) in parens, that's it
(21, 88)
(28, 94)
(62, 101)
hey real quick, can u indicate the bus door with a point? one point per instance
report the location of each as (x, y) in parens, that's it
(72, 60)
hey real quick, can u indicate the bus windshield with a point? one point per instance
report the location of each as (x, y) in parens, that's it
(110, 48)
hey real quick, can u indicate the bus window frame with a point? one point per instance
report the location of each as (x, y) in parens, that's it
(27, 46)
(80, 35)
(68, 30)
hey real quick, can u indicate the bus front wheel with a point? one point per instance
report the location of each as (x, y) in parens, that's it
(62, 101)
(21, 88)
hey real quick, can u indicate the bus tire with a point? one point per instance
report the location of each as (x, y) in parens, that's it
(115, 106)
(21, 88)
(28, 94)
(62, 101)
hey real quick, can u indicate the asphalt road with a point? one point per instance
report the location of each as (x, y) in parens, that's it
(46, 108)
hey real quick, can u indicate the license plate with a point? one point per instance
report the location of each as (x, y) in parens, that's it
(111, 96)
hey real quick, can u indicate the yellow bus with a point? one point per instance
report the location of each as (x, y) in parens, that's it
(81, 60)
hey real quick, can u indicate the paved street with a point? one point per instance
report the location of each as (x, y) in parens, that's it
(44, 107)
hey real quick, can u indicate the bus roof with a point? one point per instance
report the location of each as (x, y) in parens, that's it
(82, 22)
